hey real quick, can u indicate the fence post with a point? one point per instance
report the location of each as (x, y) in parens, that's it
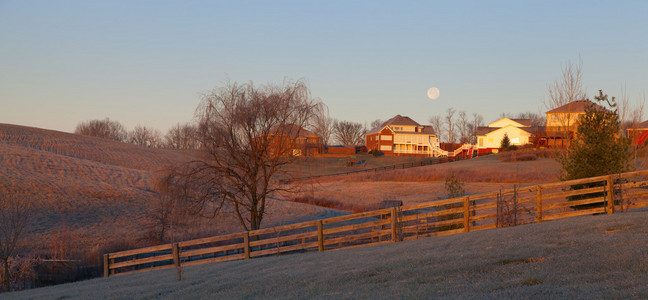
(175, 251)
(246, 244)
(106, 265)
(466, 213)
(320, 236)
(394, 224)
(610, 195)
(539, 204)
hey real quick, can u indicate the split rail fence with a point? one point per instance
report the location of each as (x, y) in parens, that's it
(511, 207)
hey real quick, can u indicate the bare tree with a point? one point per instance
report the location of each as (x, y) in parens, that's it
(145, 136)
(349, 133)
(438, 126)
(477, 122)
(165, 211)
(376, 123)
(182, 136)
(322, 124)
(15, 215)
(537, 119)
(464, 127)
(449, 120)
(247, 136)
(105, 128)
(563, 91)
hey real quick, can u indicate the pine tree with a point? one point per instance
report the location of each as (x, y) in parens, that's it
(598, 148)
(505, 144)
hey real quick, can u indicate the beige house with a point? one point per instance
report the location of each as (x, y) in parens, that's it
(562, 122)
(519, 132)
(403, 136)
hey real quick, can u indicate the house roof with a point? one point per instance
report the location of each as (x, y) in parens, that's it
(486, 130)
(397, 120)
(292, 130)
(642, 125)
(573, 107)
(523, 122)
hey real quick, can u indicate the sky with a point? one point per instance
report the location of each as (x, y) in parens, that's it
(148, 62)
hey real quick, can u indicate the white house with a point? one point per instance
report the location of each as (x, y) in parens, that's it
(519, 132)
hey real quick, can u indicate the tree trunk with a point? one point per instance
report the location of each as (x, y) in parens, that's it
(5, 275)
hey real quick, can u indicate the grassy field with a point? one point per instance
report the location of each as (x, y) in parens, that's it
(325, 165)
(422, 184)
(89, 193)
(589, 257)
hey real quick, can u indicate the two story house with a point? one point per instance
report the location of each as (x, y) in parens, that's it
(562, 123)
(401, 135)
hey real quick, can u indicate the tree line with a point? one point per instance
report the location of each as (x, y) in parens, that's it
(180, 136)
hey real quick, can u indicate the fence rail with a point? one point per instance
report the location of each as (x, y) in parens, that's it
(520, 205)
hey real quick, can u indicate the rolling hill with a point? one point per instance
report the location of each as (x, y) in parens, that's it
(90, 192)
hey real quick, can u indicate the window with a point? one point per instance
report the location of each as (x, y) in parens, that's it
(386, 137)
(481, 142)
(385, 148)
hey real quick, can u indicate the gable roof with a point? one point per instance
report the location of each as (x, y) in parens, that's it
(521, 122)
(577, 106)
(400, 120)
(481, 131)
(397, 120)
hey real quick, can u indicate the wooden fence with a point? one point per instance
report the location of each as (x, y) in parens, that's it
(520, 205)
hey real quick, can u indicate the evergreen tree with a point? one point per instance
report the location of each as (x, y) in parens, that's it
(505, 144)
(598, 148)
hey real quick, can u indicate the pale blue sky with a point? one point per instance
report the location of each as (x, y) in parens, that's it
(147, 62)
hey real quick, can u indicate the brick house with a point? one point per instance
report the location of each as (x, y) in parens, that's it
(403, 136)
(297, 141)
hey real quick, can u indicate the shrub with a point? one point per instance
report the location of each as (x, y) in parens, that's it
(505, 143)
(517, 156)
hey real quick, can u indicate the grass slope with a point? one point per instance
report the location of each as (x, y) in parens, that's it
(89, 191)
(602, 256)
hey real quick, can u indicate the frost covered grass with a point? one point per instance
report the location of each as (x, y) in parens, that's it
(92, 195)
(481, 169)
(603, 256)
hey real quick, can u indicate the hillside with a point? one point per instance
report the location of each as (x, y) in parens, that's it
(422, 184)
(90, 192)
(587, 257)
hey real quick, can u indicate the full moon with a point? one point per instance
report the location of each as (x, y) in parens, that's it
(433, 93)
